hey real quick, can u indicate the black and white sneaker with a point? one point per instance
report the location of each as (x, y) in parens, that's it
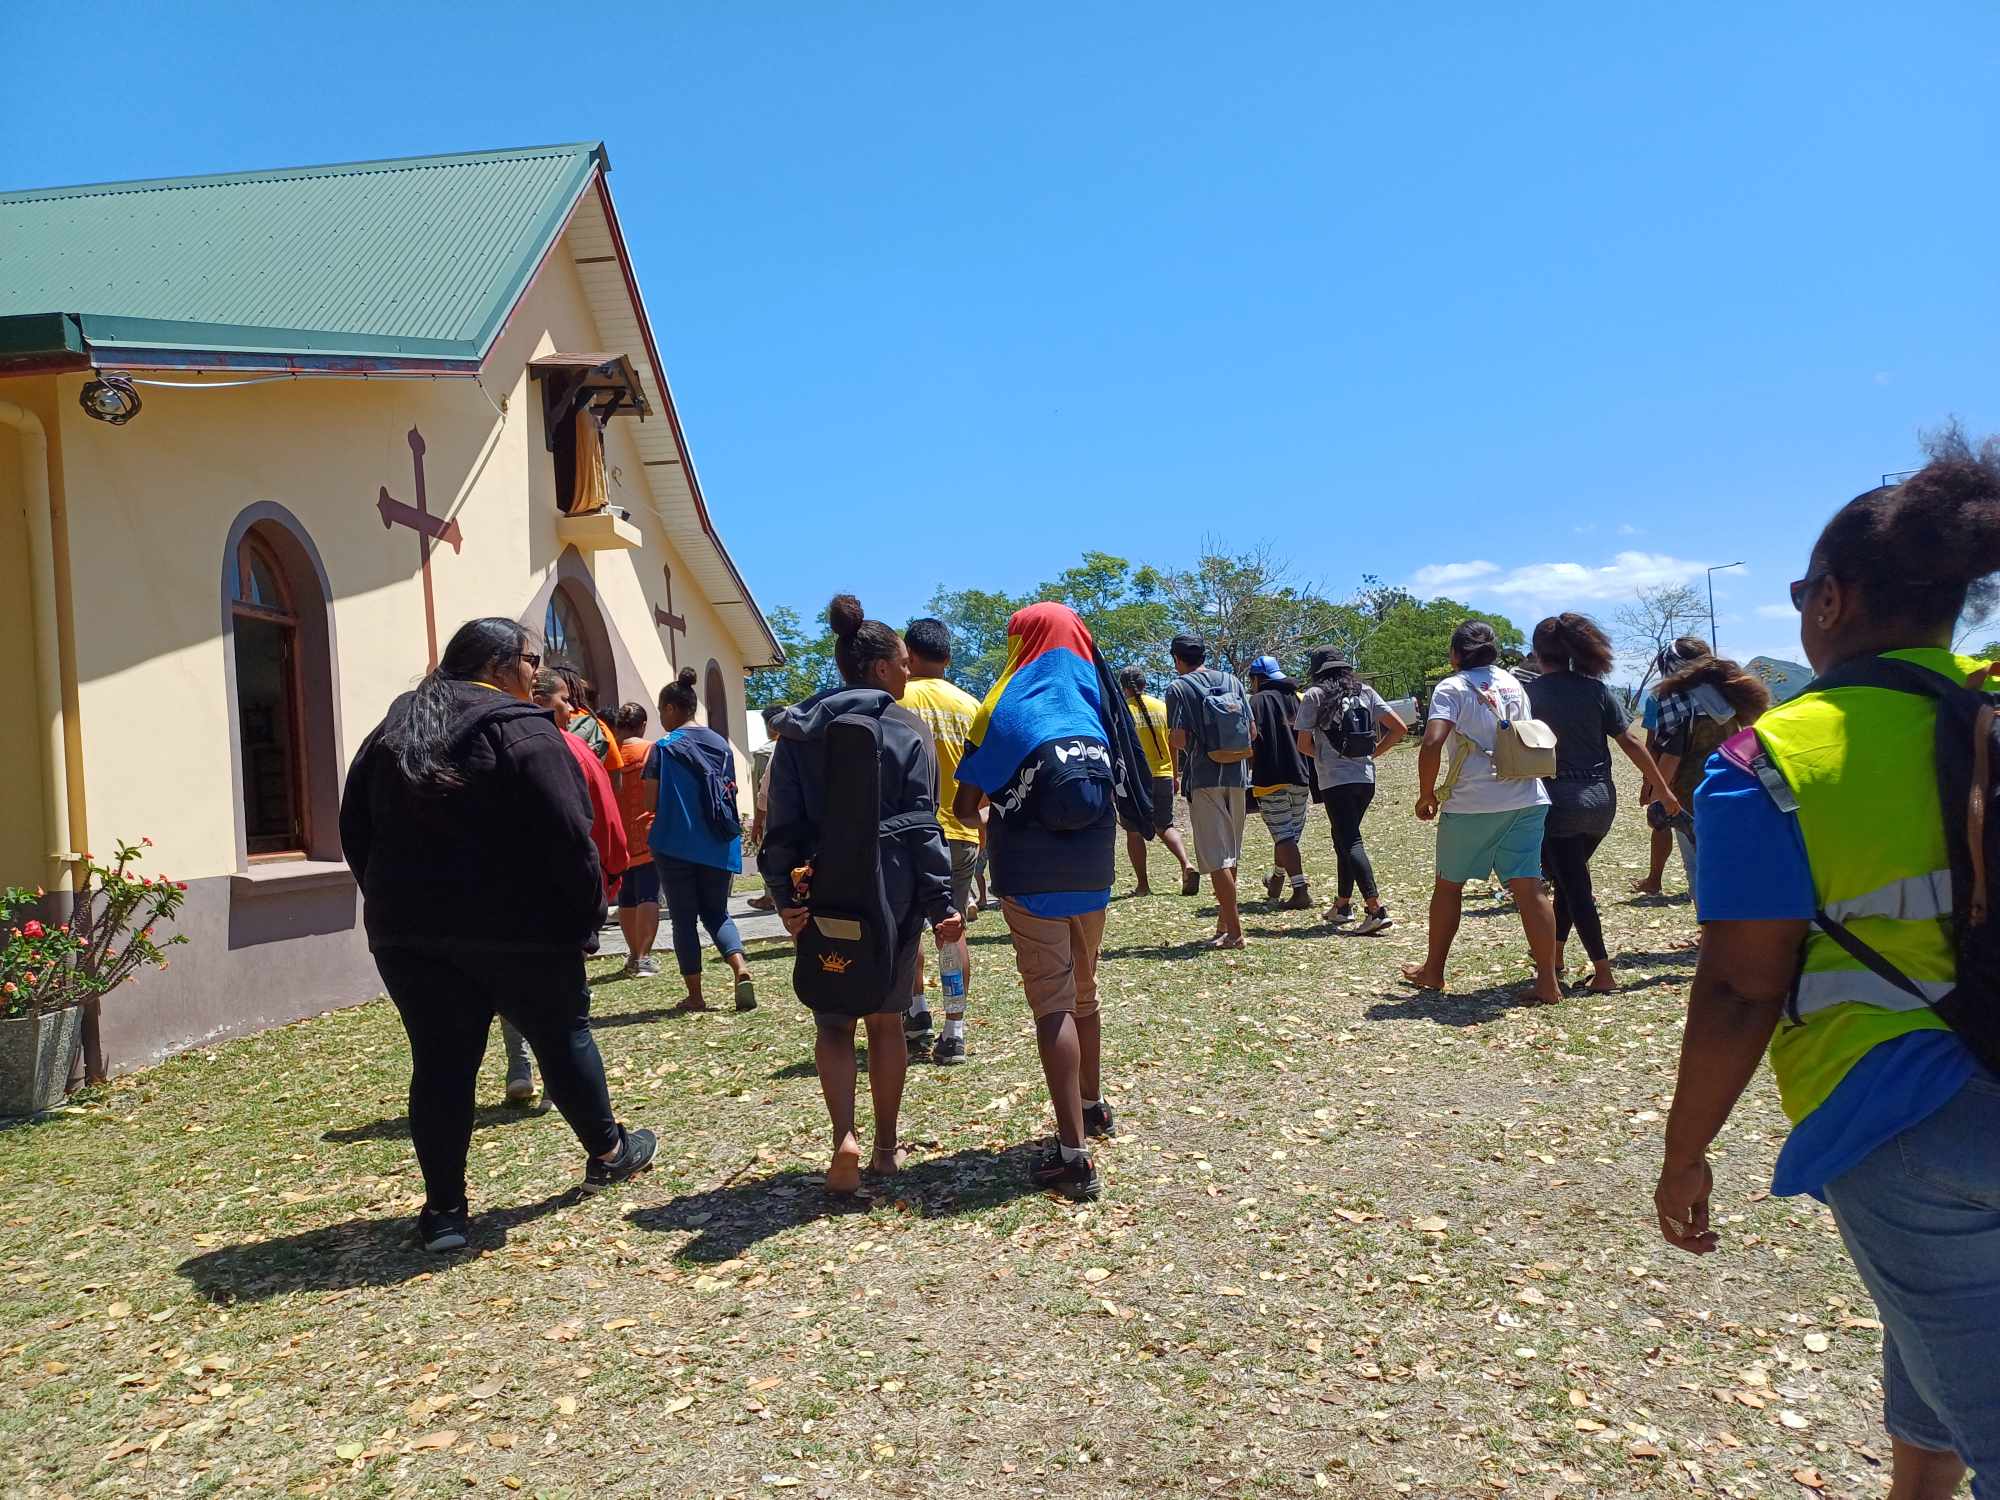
(917, 1032)
(948, 1051)
(1077, 1179)
(1373, 922)
(635, 1154)
(444, 1229)
(1098, 1119)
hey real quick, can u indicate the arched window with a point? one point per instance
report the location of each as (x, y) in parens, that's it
(573, 635)
(715, 699)
(270, 709)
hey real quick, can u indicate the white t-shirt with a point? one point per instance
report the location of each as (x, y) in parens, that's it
(1461, 699)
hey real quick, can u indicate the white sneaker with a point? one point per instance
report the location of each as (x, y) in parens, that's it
(1374, 922)
(647, 968)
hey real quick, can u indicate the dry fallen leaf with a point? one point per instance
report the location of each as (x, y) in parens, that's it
(566, 1405)
(1430, 1224)
(486, 1390)
(1096, 1273)
(1810, 1478)
(768, 1383)
(679, 1403)
(1817, 1342)
(1792, 1420)
(561, 1333)
(1530, 1296)
(617, 1323)
(347, 1452)
(1643, 1449)
(502, 1440)
(1230, 1291)
(443, 1439)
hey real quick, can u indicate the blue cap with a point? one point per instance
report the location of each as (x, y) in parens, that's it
(1266, 666)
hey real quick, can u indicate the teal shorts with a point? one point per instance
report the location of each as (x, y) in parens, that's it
(1472, 846)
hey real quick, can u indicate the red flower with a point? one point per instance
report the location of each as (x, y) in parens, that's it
(146, 842)
(28, 978)
(180, 885)
(34, 930)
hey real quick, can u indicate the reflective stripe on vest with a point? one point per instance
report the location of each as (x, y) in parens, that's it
(1913, 899)
(1860, 987)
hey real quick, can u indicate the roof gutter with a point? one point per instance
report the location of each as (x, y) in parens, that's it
(47, 644)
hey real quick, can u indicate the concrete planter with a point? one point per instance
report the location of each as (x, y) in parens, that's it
(36, 1055)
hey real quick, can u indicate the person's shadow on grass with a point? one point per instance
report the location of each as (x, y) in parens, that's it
(375, 1250)
(1476, 1009)
(731, 1218)
(398, 1128)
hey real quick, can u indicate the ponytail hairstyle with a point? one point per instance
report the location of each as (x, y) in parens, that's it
(858, 642)
(582, 697)
(1573, 643)
(422, 744)
(1923, 551)
(1682, 654)
(678, 695)
(1132, 682)
(1333, 675)
(630, 720)
(1476, 644)
(1748, 694)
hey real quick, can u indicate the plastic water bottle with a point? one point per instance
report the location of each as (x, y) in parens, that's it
(951, 972)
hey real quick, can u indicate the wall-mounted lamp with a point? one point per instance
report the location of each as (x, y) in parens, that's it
(110, 398)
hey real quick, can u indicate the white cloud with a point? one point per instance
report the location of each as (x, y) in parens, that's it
(1776, 612)
(1440, 576)
(1626, 528)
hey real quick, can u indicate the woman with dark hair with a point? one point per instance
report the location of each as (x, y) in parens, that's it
(697, 839)
(1570, 697)
(466, 825)
(1824, 836)
(1487, 824)
(1327, 713)
(639, 890)
(874, 666)
(1149, 723)
(1704, 699)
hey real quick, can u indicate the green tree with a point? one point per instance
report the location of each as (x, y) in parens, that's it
(1410, 649)
(1246, 604)
(808, 667)
(1127, 611)
(977, 619)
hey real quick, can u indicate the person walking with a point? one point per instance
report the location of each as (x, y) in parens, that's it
(947, 710)
(466, 824)
(1149, 723)
(874, 667)
(607, 835)
(639, 886)
(1054, 756)
(1570, 696)
(1209, 725)
(583, 721)
(1345, 726)
(760, 792)
(696, 840)
(1280, 783)
(1486, 826)
(1837, 895)
(1704, 699)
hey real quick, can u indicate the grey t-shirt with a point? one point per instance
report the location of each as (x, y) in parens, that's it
(1184, 695)
(1333, 768)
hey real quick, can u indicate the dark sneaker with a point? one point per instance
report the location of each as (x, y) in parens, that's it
(1302, 898)
(1098, 1120)
(1190, 883)
(1374, 922)
(444, 1229)
(949, 1051)
(1077, 1179)
(1274, 887)
(635, 1154)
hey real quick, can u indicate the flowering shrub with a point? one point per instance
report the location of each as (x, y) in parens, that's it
(108, 935)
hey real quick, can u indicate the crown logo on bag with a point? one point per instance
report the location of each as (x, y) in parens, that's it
(835, 963)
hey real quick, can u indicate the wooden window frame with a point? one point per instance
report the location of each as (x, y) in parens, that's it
(298, 775)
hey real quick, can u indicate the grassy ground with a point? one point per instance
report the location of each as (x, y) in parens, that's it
(1355, 1240)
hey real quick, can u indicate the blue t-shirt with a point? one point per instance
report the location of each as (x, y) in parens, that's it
(1750, 866)
(680, 830)
(1065, 903)
(1649, 713)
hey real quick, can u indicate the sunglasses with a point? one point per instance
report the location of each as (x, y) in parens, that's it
(535, 661)
(1802, 588)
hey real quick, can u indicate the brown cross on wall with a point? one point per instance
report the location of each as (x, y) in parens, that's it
(419, 519)
(672, 623)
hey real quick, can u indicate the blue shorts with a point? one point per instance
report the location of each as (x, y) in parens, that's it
(640, 886)
(1921, 1217)
(1472, 846)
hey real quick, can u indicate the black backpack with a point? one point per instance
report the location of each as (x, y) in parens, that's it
(1967, 751)
(1350, 724)
(846, 959)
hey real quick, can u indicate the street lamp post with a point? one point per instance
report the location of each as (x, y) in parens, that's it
(1714, 644)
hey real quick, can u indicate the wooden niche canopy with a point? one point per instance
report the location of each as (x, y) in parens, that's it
(601, 384)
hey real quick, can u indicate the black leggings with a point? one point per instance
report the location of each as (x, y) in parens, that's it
(1346, 806)
(1566, 861)
(447, 1002)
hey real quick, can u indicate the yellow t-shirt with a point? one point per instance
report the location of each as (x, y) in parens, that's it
(948, 711)
(1153, 737)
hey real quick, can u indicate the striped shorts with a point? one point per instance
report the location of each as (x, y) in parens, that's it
(1284, 812)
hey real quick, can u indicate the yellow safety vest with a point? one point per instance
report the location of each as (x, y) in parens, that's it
(1860, 766)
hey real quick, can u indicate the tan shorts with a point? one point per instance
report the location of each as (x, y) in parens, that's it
(964, 867)
(1057, 957)
(1216, 814)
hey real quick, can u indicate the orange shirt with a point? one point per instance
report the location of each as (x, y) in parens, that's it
(636, 801)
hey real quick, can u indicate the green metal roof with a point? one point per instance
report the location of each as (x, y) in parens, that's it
(419, 258)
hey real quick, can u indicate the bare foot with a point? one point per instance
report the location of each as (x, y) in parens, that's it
(1226, 940)
(1540, 994)
(1602, 982)
(886, 1165)
(1142, 890)
(690, 1006)
(1645, 888)
(844, 1175)
(1421, 976)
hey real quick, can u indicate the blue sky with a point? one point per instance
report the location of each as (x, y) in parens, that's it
(1526, 306)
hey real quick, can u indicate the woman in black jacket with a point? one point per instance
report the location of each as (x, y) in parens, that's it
(916, 872)
(466, 824)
